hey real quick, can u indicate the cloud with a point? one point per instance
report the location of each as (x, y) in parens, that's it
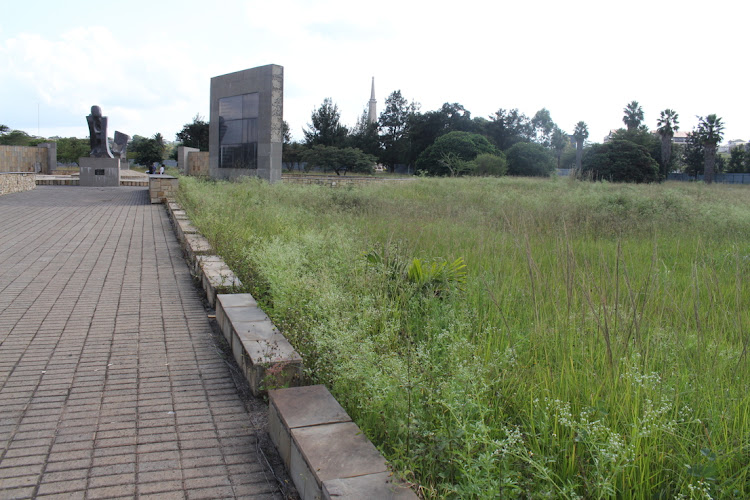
(131, 81)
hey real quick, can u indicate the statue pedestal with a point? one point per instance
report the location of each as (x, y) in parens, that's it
(99, 172)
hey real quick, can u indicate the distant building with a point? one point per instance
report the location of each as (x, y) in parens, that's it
(679, 137)
(730, 145)
(372, 112)
(608, 137)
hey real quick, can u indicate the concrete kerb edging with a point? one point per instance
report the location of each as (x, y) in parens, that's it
(264, 355)
(325, 453)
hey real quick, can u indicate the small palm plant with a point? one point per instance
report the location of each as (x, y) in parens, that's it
(435, 278)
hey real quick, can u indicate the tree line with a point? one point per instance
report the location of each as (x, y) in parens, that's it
(446, 141)
(635, 154)
(449, 141)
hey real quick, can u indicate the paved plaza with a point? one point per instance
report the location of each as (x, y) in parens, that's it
(112, 382)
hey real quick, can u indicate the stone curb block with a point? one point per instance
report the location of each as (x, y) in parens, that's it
(264, 355)
(326, 453)
(200, 260)
(183, 227)
(218, 278)
(196, 245)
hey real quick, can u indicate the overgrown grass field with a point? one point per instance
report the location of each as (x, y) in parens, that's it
(593, 346)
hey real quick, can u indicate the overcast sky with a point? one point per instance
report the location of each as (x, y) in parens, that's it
(148, 64)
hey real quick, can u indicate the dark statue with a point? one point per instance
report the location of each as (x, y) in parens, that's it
(98, 136)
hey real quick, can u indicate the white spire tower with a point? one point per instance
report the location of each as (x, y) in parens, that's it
(372, 113)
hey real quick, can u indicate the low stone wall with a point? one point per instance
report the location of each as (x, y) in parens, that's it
(162, 188)
(15, 182)
(56, 180)
(339, 180)
(182, 154)
(197, 163)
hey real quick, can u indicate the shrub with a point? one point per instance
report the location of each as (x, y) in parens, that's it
(621, 161)
(487, 164)
(464, 146)
(530, 159)
(339, 159)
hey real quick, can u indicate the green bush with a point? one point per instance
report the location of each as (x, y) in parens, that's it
(620, 161)
(530, 159)
(487, 164)
(338, 159)
(462, 146)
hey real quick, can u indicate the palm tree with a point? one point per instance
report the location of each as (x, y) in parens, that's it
(580, 134)
(559, 141)
(633, 115)
(4, 129)
(710, 133)
(667, 125)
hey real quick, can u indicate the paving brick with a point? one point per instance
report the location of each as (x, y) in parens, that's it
(19, 481)
(159, 487)
(62, 486)
(24, 470)
(26, 492)
(166, 474)
(212, 492)
(67, 465)
(114, 460)
(76, 495)
(167, 495)
(122, 490)
(51, 477)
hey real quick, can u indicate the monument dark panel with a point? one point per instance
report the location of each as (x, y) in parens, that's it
(238, 131)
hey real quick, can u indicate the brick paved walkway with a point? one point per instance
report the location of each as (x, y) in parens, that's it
(111, 384)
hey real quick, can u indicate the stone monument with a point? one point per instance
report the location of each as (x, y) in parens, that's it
(245, 124)
(101, 168)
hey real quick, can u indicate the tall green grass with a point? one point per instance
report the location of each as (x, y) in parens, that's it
(596, 349)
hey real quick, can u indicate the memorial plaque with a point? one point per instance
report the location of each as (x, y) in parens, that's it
(99, 171)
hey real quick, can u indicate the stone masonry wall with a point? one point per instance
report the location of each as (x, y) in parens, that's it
(23, 159)
(162, 188)
(197, 163)
(16, 182)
